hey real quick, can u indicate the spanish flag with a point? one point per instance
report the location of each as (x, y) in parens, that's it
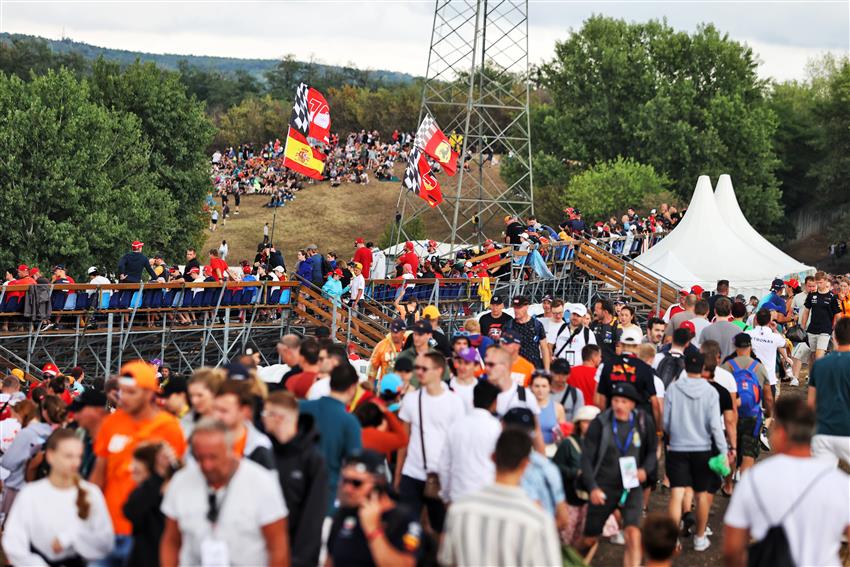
(299, 156)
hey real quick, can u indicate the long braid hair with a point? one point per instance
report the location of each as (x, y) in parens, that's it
(52, 443)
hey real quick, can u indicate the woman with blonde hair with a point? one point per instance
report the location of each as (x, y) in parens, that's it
(203, 387)
(60, 519)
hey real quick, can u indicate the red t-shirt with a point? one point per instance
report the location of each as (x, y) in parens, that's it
(364, 256)
(409, 258)
(299, 384)
(218, 264)
(26, 280)
(584, 378)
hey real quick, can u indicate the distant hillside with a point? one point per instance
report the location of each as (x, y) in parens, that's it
(227, 65)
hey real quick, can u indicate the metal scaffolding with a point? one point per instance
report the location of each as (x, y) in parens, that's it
(477, 87)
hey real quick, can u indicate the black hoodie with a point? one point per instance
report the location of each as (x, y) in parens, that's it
(304, 480)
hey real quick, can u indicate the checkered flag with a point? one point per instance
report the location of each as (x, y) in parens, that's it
(412, 180)
(425, 132)
(300, 119)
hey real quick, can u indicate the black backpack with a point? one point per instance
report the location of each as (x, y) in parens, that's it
(670, 367)
(773, 550)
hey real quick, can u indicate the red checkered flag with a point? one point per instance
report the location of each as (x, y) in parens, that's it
(419, 178)
(430, 139)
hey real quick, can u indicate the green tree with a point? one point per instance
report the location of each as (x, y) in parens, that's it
(610, 187)
(686, 104)
(832, 170)
(74, 177)
(175, 129)
(254, 120)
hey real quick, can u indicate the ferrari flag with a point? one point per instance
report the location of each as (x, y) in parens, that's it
(311, 115)
(419, 178)
(433, 142)
(301, 157)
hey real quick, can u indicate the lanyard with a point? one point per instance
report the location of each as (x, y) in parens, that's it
(624, 448)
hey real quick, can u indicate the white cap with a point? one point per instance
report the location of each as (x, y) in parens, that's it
(586, 413)
(91, 270)
(277, 269)
(578, 309)
(631, 336)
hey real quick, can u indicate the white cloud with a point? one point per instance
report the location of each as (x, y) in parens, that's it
(394, 35)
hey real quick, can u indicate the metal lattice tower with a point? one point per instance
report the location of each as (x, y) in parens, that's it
(477, 86)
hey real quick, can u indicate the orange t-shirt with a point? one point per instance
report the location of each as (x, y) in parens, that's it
(239, 444)
(521, 372)
(117, 439)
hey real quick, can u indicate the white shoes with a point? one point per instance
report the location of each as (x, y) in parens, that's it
(795, 382)
(701, 543)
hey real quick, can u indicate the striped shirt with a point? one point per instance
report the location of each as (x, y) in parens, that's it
(499, 525)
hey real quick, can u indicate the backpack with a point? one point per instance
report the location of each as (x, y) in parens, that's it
(749, 392)
(670, 367)
(773, 550)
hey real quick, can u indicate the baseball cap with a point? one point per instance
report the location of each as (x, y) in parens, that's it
(391, 383)
(497, 300)
(368, 461)
(58, 267)
(631, 336)
(237, 371)
(742, 340)
(398, 325)
(311, 247)
(468, 354)
(194, 270)
(625, 390)
(422, 327)
(337, 271)
(137, 244)
(432, 243)
(140, 374)
(777, 284)
(359, 241)
(89, 398)
(246, 269)
(408, 245)
(793, 283)
(358, 265)
(689, 325)
(431, 312)
(519, 301)
(510, 336)
(684, 291)
(546, 298)
(19, 374)
(521, 418)
(586, 413)
(578, 309)
(50, 369)
(280, 269)
(91, 270)
(697, 290)
(23, 268)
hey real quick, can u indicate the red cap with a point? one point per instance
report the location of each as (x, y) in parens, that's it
(359, 241)
(246, 269)
(432, 243)
(137, 244)
(793, 282)
(34, 270)
(50, 368)
(684, 291)
(23, 268)
(408, 245)
(208, 270)
(337, 272)
(689, 325)
(697, 290)
(194, 270)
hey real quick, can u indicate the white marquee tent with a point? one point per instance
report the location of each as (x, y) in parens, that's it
(711, 243)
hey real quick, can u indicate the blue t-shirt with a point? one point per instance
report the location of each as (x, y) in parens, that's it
(831, 377)
(773, 302)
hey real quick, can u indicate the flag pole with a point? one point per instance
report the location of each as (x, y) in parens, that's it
(274, 214)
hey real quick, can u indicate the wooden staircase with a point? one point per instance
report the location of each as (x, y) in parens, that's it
(363, 328)
(642, 286)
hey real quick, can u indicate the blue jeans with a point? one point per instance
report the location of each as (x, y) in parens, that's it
(119, 554)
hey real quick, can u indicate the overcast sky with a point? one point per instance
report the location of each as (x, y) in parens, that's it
(394, 35)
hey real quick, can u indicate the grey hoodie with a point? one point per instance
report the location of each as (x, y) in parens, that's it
(692, 416)
(27, 443)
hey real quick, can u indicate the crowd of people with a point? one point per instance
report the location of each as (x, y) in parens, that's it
(516, 440)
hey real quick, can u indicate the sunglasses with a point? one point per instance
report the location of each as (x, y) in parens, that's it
(354, 482)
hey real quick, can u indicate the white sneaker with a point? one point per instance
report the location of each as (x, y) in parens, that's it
(618, 539)
(701, 543)
(795, 382)
(765, 443)
(708, 531)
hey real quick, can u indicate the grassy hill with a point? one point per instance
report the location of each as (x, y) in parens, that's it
(227, 65)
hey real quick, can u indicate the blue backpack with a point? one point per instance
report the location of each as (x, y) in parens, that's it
(749, 392)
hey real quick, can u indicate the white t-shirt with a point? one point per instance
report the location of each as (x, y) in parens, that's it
(510, 399)
(97, 280)
(464, 391)
(358, 284)
(815, 526)
(725, 379)
(320, 388)
(570, 350)
(406, 284)
(700, 323)
(439, 413)
(659, 387)
(251, 500)
(798, 304)
(765, 345)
